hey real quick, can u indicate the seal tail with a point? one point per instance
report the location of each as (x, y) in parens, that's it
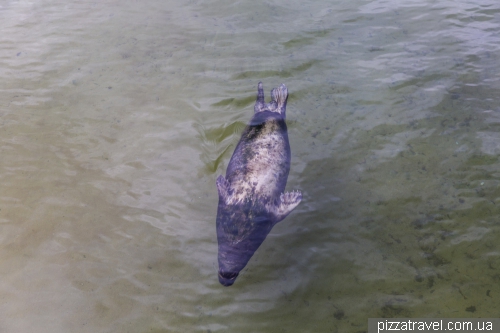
(280, 96)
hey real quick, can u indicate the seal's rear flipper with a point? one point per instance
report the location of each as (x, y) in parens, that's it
(287, 202)
(280, 95)
(260, 105)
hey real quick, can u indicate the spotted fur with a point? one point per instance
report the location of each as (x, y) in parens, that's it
(251, 195)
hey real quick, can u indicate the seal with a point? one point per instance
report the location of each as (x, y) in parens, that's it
(251, 195)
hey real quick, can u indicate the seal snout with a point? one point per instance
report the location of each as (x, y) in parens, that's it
(227, 278)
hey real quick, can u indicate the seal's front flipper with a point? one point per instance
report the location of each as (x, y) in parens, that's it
(223, 189)
(287, 202)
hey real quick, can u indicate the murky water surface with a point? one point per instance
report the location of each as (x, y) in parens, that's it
(116, 117)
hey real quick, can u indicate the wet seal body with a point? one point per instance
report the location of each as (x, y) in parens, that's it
(251, 196)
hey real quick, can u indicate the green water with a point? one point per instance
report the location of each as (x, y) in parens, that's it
(117, 117)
